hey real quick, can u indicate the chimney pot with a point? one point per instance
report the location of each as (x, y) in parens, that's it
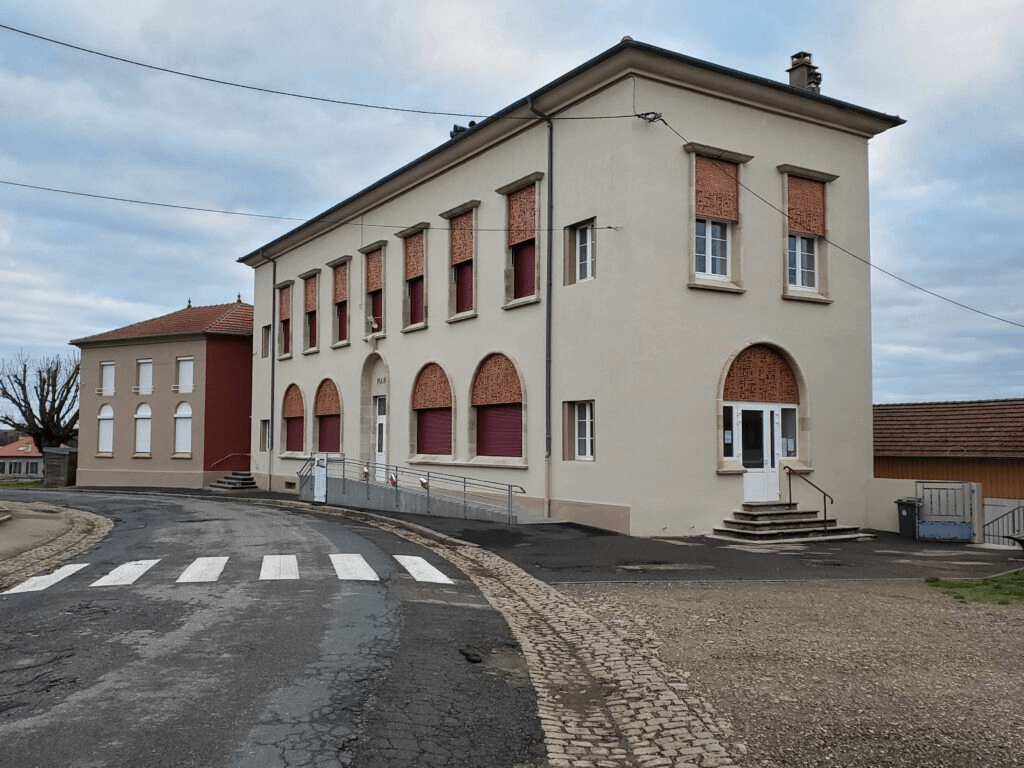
(803, 74)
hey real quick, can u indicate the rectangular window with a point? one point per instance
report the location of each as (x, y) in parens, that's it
(340, 318)
(32, 468)
(14, 468)
(294, 434)
(265, 342)
(802, 266)
(789, 433)
(185, 375)
(374, 260)
(143, 377)
(499, 430)
(265, 435)
(584, 412)
(523, 270)
(3, 468)
(728, 449)
(712, 248)
(376, 318)
(284, 318)
(461, 247)
(106, 379)
(329, 433)
(521, 261)
(585, 252)
(310, 294)
(414, 308)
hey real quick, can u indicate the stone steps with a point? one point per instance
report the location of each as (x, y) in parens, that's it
(778, 521)
(236, 481)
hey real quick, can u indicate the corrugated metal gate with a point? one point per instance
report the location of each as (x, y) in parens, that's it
(948, 510)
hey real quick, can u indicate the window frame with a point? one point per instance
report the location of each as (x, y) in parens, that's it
(178, 368)
(310, 324)
(796, 269)
(179, 418)
(708, 254)
(572, 411)
(143, 376)
(284, 324)
(105, 429)
(819, 292)
(142, 445)
(377, 296)
(107, 365)
(515, 271)
(463, 272)
(341, 325)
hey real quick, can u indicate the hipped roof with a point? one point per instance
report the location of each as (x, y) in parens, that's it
(977, 428)
(233, 319)
(22, 448)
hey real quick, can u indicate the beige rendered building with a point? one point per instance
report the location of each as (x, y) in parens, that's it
(165, 402)
(585, 295)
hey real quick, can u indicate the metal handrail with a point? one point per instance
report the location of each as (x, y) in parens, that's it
(225, 458)
(1010, 529)
(826, 497)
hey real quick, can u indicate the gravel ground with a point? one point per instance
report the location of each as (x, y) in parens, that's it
(858, 674)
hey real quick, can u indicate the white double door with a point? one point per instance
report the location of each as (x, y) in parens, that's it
(766, 434)
(380, 438)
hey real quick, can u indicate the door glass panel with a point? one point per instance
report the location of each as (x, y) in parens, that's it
(789, 432)
(380, 438)
(381, 406)
(727, 450)
(752, 426)
(771, 441)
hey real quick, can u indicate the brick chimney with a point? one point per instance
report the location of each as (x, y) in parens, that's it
(803, 74)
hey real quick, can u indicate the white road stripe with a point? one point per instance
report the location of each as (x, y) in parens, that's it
(203, 569)
(279, 567)
(37, 583)
(421, 570)
(125, 574)
(353, 568)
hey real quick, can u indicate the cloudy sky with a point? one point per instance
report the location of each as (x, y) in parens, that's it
(947, 187)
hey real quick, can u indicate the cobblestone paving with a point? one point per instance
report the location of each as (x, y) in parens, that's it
(85, 531)
(605, 699)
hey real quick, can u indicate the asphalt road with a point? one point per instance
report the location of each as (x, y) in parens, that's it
(307, 669)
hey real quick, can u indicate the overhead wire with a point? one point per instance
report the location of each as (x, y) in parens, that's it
(655, 117)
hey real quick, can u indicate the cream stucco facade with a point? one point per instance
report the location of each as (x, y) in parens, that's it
(641, 337)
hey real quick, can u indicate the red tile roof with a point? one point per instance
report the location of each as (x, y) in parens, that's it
(233, 319)
(22, 448)
(977, 429)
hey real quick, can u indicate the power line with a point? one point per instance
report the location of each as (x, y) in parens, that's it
(290, 94)
(656, 117)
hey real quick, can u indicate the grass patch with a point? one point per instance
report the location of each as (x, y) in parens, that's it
(1007, 589)
(20, 484)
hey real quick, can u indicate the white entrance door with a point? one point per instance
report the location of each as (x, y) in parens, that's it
(380, 456)
(760, 430)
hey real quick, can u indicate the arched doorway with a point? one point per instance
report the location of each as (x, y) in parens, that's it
(374, 393)
(761, 398)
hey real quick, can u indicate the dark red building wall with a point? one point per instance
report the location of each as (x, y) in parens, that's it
(228, 403)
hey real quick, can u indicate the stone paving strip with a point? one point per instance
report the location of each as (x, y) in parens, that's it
(604, 698)
(84, 532)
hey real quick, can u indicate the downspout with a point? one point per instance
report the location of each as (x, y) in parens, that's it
(548, 308)
(271, 432)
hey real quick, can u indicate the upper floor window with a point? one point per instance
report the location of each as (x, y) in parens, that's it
(578, 431)
(712, 248)
(284, 319)
(461, 258)
(521, 264)
(310, 294)
(185, 375)
(414, 307)
(143, 377)
(802, 268)
(580, 252)
(106, 379)
(806, 255)
(374, 260)
(340, 300)
(265, 341)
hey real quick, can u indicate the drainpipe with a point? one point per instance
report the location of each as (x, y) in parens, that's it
(547, 313)
(271, 432)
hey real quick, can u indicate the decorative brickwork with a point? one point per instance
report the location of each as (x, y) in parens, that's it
(285, 302)
(293, 407)
(761, 374)
(717, 189)
(432, 389)
(374, 270)
(522, 216)
(341, 282)
(806, 206)
(497, 382)
(462, 237)
(328, 401)
(414, 255)
(310, 293)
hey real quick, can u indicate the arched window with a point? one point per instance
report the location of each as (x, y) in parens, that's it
(143, 428)
(498, 399)
(327, 409)
(432, 402)
(105, 429)
(183, 428)
(294, 423)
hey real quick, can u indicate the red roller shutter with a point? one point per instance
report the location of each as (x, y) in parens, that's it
(295, 430)
(464, 286)
(416, 301)
(434, 431)
(330, 434)
(499, 430)
(523, 283)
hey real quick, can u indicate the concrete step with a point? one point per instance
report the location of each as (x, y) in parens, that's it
(776, 516)
(235, 481)
(837, 532)
(789, 524)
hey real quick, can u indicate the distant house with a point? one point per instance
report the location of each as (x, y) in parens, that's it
(166, 402)
(980, 441)
(21, 460)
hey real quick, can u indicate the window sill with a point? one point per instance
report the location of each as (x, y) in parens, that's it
(375, 335)
(105, 455)
(293, 455)
(810, 296)
(415, 327)
(467, 315)
(340, 344)
(286, 356)
(430, 458)
(724, 286)
(311, 351)
(181, 455)
(142, 455)
(524, 301)
(504, 462)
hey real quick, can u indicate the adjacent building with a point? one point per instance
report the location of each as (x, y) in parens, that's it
(165, 402)
(630, 292)
(21, 460)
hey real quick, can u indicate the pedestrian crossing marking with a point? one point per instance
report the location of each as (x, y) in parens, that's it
(421, 570)
(203, 569)
(125, 574)
(38, 583)
(353, 568)
(279, 567)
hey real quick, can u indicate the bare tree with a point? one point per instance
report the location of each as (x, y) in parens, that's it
(44, 396)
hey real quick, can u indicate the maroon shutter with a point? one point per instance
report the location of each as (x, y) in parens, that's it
(415, 300)
(286, 337)
(464, 286)
(295, 430)
(342, 310)
(377, 309)
(499, 430)
(434, 431)
(311, 323)
(330, 434)
(523, 270)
